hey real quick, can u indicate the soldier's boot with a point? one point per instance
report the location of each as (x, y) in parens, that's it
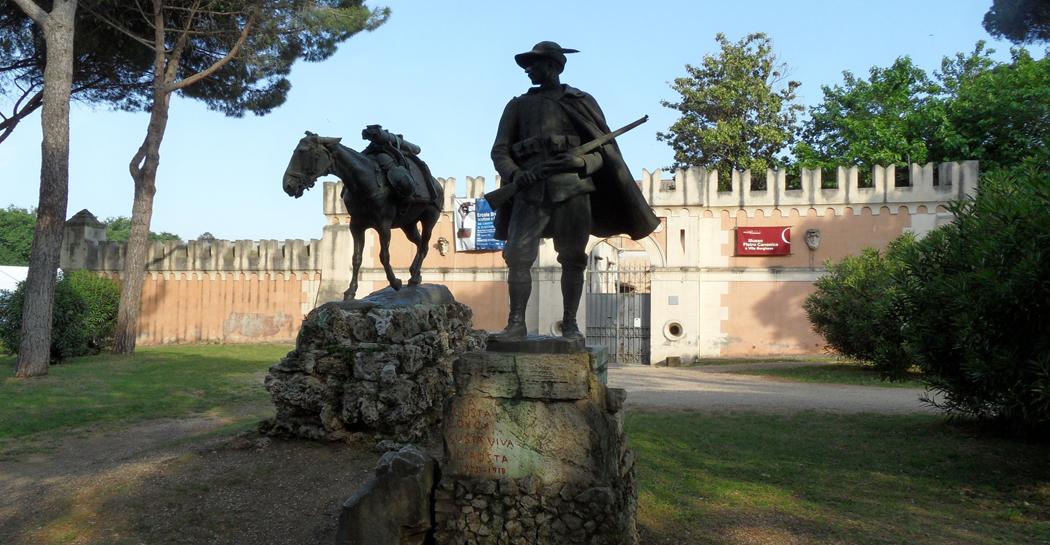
(571, 292)
(519, 299)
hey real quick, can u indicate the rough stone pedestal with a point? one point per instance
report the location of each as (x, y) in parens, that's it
(378, 368)
(535, 453)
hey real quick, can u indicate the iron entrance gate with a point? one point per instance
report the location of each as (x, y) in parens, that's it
(618, 313)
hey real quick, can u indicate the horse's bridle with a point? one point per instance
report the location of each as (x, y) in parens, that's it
(312, 178)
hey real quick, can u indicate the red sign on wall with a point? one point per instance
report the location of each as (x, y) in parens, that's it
(763, 241)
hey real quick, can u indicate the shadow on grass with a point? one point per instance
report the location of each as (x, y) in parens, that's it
(838, 373)
(821, 478)
(196, 492)
(810, 358)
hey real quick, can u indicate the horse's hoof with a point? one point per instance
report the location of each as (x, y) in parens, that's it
(348, 295)
(396, 284)
(414, 282)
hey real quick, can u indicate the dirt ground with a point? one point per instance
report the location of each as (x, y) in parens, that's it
(161, 482)
(190, 481)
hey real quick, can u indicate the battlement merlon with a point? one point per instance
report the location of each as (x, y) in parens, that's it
(698, 186)
(85, 247)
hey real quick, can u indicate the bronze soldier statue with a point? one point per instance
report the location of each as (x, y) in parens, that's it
(560, 194)
(392, 153)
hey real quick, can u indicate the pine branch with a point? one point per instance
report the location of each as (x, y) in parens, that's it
(221, 62)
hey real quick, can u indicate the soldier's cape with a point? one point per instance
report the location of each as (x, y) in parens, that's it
(617, 204)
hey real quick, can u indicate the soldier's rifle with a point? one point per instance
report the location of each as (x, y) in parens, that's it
(500, 196)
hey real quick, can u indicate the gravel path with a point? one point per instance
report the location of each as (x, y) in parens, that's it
(712, 388)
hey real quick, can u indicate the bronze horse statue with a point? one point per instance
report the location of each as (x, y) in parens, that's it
(372, 200)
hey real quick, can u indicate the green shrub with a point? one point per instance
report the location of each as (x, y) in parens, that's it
(975, 297)
(854, 309)
(16, 235)
(84, 315)
(11, 318)
(969, 303)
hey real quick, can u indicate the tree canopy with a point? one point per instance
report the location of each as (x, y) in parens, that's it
(736, 108)
(232, 55)
(885, 119)
(1020, 21)
(112, 67)
(119, 228)
(973, 108)
(16, 235)
(1001, 114)
(107, 65)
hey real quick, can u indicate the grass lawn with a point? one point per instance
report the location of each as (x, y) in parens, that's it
(703, 478)
(838, 373)
(822, 478)
(154, 383)
(780, 359)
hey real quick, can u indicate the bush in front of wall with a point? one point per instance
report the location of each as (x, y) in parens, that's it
(854, 308)
(84, 316)
(975, 298)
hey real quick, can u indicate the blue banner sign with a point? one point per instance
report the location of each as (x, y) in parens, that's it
(474, 223)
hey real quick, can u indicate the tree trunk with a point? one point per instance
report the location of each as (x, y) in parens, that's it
(144, 165)
(34, 349)
(144, 172)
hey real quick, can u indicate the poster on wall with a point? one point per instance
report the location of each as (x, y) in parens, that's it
(474, 223)
(763, 241)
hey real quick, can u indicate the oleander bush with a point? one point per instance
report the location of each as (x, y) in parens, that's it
(84, 319)
(854, 308)
(969, 304)
(974, 297)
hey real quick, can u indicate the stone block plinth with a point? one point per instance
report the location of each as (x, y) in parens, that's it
(535, 452)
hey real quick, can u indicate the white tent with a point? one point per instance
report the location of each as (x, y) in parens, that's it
(11, 276)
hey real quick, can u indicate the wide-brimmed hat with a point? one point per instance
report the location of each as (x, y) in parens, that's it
(549, 50)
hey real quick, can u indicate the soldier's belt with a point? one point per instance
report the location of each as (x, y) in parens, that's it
(553, 144)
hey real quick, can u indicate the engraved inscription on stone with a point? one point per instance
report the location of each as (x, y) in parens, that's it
(487, 437)
(477, 444)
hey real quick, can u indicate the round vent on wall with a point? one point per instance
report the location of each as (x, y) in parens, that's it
(674, 330)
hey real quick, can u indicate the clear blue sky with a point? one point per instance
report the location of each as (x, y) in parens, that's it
(441, 72)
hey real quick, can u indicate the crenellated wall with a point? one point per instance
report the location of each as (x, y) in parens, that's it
(723, 305)
(699, 187)
(736, 306)
(208, 291)
(750, 306)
